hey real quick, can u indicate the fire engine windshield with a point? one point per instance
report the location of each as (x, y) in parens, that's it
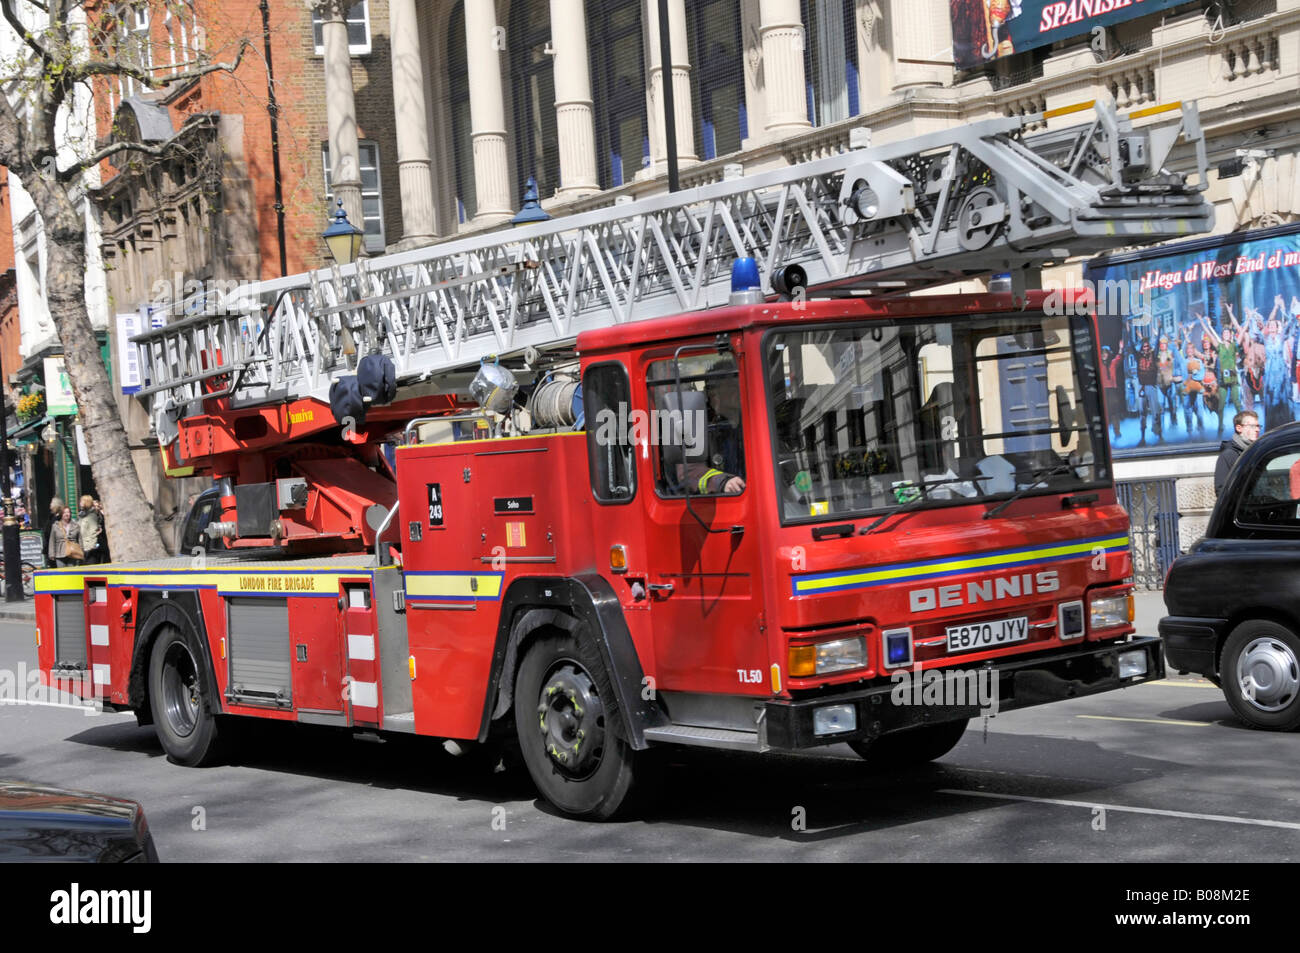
(931, 413)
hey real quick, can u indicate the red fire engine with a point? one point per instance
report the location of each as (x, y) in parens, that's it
(588, 487)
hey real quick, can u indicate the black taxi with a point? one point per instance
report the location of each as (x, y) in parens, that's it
(1234, 599)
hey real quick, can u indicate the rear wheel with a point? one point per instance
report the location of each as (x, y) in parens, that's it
(181, 697)
(912, 747)
(569, 737)
(1260, 673)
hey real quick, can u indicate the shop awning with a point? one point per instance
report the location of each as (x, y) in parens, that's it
(31, 431)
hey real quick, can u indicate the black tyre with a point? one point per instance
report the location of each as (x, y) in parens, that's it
(912, 747)
(570, 737)
(29, 579)
(181, 695)
(1260, 673)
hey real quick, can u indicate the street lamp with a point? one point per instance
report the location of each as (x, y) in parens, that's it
(532, 210)
(343, 238)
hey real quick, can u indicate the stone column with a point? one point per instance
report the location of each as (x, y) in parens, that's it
(419, 224)
(920, 32)
(681, 73)
(783, 76)
(341, 110)
(487, 113)
(574, 118)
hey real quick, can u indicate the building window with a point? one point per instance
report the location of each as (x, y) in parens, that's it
(462, 142)
(358, 21)
(830, 60)
(532, 77)
(719, 88)
(372, 205)
(618, 74)
(136, 46)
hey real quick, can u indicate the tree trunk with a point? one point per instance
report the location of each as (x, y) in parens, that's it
(128, 517)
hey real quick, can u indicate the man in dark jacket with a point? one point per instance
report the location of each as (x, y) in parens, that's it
(1246, 426)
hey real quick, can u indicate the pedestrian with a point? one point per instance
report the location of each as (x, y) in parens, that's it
(1246, 425)
(104, 555)
(56, 507)
(91, 525)
(65, 541)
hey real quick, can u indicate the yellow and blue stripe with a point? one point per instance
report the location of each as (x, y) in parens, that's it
(454, 586)
(818, 583)
(247, 581)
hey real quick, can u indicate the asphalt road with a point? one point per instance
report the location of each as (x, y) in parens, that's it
(1159, 772)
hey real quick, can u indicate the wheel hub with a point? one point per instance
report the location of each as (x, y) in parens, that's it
(571, 719)
(181, 693)
(1268, 674)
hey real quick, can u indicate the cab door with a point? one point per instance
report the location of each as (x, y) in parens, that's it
(701, 534)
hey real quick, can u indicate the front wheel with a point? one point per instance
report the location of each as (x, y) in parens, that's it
(567, 730)
(1261, 675)
(180, 696)
(912, 747)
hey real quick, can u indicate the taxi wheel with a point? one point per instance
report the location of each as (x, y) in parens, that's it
(569, 736)
(1260, 672)
(912, 747)
(180, 697)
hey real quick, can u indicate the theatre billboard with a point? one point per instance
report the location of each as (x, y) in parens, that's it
(1193, 333)
(986, 30)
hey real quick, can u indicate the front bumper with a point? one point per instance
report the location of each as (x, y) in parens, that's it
(1021, 682)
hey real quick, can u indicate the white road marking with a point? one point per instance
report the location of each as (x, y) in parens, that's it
(89, 709)
(1149, 721)
(1126, 809)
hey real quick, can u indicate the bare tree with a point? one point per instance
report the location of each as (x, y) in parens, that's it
(58, 56)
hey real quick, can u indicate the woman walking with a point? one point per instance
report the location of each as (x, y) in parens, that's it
(65, 541)
(91, 524)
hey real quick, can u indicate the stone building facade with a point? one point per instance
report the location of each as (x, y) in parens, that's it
(431, 114)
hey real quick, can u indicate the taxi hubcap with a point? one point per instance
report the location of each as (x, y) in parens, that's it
(1268, 674)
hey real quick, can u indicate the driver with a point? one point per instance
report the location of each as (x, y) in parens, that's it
(725, 470)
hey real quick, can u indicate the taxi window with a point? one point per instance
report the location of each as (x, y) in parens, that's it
(1272, 497)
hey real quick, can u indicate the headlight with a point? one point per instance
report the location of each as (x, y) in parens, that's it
(1132, 663)
(827, 657)
(1111, 611)
(834, 719)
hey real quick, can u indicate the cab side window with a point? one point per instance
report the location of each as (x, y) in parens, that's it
(1272, 497)
(607, 399)
(696, 432)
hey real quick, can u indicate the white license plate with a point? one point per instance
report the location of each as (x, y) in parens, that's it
(987, 635)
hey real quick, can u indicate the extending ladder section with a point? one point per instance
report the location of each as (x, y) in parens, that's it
(973, 200)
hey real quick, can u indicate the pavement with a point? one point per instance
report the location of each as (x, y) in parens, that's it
(19, 611)
(1148, 607)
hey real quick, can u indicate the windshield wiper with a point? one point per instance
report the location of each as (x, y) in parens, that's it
(923, 486)
(1061, 466)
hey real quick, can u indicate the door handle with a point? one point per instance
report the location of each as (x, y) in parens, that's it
(660, 588)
